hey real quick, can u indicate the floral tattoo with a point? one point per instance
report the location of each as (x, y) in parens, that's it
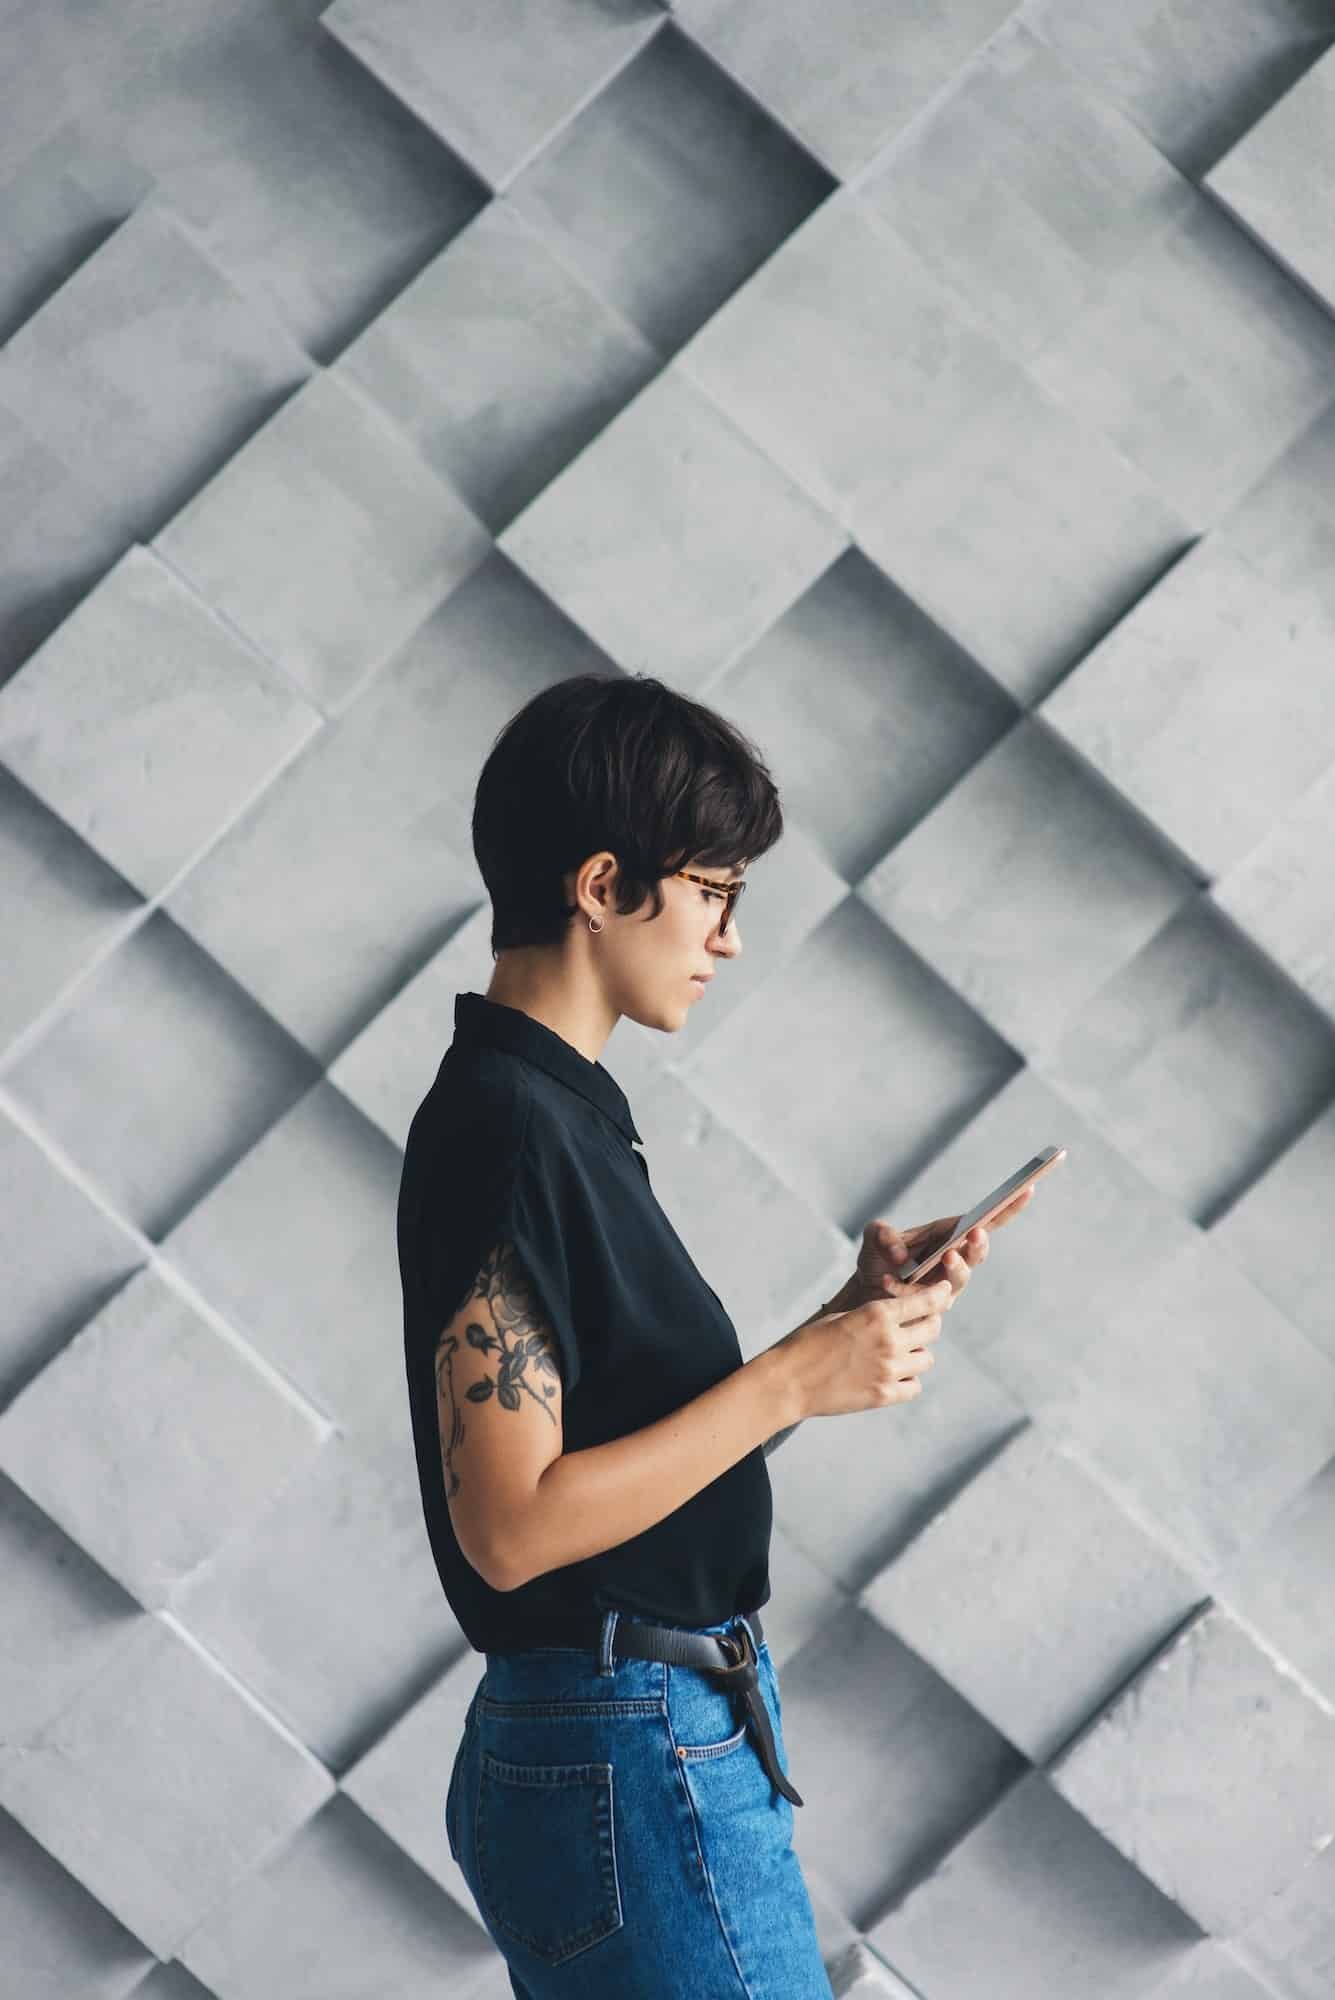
(523, 1340)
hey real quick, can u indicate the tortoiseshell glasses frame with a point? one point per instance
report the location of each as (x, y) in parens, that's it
(731, 890)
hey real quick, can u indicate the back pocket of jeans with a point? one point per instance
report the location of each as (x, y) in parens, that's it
(546, 1854)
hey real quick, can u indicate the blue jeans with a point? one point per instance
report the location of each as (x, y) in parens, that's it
(619, 1835)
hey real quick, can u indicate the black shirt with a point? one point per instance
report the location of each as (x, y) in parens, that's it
(522, 1139)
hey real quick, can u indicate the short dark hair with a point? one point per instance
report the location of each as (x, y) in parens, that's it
(616, 761)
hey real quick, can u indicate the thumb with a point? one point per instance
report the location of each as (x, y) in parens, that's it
(892, 1243)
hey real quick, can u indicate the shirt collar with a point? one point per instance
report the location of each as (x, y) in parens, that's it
(490, 1022)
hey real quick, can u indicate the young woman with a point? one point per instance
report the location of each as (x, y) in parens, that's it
(590, 1445)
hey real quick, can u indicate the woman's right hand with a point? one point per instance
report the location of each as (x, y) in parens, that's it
(868, 1357)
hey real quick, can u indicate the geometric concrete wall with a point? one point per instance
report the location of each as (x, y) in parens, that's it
(947, 394)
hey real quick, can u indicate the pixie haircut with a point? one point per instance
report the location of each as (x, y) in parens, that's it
(619, 762)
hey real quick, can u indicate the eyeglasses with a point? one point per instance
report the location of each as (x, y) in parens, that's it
(730, 891)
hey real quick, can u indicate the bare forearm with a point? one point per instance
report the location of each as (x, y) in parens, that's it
(591, 1500)
(779, 1437)
(843, 1301)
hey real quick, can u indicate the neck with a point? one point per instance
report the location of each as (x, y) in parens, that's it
(574, 1008)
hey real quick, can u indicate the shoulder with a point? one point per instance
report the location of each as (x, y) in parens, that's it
(463, 1150)
(499, 1136)
(485, 1099)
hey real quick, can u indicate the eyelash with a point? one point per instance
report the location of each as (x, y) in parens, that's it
(722, 894)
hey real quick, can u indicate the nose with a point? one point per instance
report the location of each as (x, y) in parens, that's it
(727, 943)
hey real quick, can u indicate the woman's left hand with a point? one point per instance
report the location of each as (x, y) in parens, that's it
(884, 1248)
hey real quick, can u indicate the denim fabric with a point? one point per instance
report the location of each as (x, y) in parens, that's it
(618, 1833)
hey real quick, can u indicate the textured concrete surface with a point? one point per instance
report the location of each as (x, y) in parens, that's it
(948, 395)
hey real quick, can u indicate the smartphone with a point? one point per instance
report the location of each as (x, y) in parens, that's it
(991, 1204)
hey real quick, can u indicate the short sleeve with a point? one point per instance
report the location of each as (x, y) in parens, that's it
(539, 1232)
(505, 1184)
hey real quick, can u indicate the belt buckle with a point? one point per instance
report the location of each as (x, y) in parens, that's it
(745, 1655)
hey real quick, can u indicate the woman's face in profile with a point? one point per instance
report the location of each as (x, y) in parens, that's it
(658, 959)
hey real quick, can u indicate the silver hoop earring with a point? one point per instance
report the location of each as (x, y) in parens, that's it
(595, 926)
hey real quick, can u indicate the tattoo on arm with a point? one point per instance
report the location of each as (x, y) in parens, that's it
(524, 1343)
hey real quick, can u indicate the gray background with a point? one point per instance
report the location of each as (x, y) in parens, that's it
(947, 394)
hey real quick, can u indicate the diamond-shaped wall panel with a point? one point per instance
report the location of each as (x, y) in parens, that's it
(60, 905)
(64, 1939)
(1198, 1059)
(1076, 1916)
(672, 538)
(147, 369)
(1280, 179)
(145, 680)
(59, 538)
(64, 1256)
(1064, 189)
(669, 189)
(1164, 1773)
(1203, 758)
(878, 387)
(161, 1785)
(157, 1075)
(495, 84)
(833, 74)
(1198, 364)
(1032, 1593)
(535, 366)
(1195, 78)
(313, 188)
(365, 835)
(171, 1420)
(327, 539)
(946, 397)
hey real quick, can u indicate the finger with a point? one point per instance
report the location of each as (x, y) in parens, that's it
(910, 1288)
(891, 1244)
(925, 1300)
(936, 1273)
(1013, 1208)
(916, 1362)
(956, 1266)
(956, 1270)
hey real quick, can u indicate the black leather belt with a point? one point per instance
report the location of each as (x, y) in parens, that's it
(729, 1658)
